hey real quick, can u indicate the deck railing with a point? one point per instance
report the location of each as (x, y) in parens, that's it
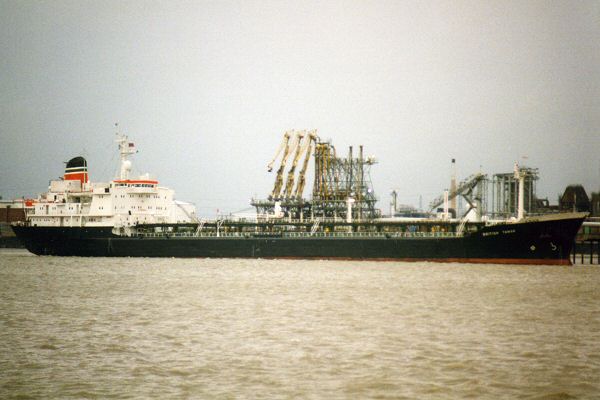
(266, 235)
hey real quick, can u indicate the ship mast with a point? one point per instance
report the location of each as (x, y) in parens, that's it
(126, 148)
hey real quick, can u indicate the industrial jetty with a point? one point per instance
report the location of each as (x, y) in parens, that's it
(135, 217)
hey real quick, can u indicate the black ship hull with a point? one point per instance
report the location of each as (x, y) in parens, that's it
(542, 241)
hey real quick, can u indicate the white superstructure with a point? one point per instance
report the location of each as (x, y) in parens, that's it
(122, 202)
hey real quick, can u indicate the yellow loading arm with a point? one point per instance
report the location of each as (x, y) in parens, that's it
(307, 150)
(289, 185)
(284, 143)
(279, 178)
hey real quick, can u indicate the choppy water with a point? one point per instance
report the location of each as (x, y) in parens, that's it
(250, 329)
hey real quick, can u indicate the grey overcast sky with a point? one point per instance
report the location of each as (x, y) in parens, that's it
(207, 88)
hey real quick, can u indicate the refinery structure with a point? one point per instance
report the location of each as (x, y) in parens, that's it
(342, 187)
(497, 197)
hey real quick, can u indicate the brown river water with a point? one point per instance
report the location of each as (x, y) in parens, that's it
(265, 329)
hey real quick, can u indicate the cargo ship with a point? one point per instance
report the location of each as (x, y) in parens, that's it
(135, 217)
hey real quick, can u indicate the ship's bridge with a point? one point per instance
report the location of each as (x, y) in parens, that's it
(136, 186)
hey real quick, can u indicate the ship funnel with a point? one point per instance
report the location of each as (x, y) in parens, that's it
(76, 170)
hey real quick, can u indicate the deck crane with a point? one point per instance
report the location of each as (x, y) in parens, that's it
(289, 184)
(286, 152)
(307, 150)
